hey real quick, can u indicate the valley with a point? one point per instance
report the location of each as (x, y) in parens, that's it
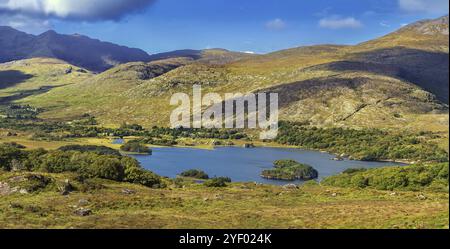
(375, 103)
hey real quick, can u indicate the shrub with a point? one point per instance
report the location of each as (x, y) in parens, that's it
(9, 153)
(364, 144)
(413, 177)
(15, 145)
(136, 147)
(290, 170)
(194, 173)
(217, 182)
(143, 177)
(106, 168)
(284, 163)
(34, 183)
(352, 171)
(88, 165)
(101, 150)
(55, 162)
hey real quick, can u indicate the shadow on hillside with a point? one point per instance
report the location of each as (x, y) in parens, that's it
(321, 90)
(429, 70)
(11, 78)
(24, 94)
(188, 53)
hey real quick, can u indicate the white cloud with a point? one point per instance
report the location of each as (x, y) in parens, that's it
(276, 24)
(25, 23)
(89, 10)
(336, 22)
(427, 6)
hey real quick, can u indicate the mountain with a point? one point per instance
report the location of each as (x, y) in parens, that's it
(93, 54)
(75, 49)
(397, 81)
(212, 56)
(10, 42)
(418, 52)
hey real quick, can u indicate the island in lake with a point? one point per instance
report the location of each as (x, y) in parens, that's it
(290, 170)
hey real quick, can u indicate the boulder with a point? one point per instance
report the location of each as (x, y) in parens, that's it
(5, 189)
(128, 192)
(65, 188)
(83, 212)
(422, 197)
(290, 187)
(83, 202)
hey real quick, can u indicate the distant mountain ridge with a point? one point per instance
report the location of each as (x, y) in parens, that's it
(93, 54)
(78, 50)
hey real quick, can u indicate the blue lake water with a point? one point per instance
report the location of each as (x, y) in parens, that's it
(243, 165)
(118, 141)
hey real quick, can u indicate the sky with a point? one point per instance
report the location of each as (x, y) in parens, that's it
(257, 26)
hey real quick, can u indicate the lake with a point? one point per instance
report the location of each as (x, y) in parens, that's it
(244, 165)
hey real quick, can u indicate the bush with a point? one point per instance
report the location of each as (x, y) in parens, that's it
(194, 173)
(285, 163)
(101, 150)
(364, 144)
(88, 165)
(143, 177)
(106, 168)
(136, 147)
(55, 162)
(217, 182)
(414, 177)
(15, 145)
(290, 170)
(352, 171)
(34, 183)
(8, 154)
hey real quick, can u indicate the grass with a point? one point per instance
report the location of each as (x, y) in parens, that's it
(236, 206)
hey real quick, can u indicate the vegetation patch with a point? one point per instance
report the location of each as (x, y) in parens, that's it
(196, 174)
(136, 147)
(415, 178)
(85, 164)
(101, 150)
(217, 182)
(290, 170)
(364, 144)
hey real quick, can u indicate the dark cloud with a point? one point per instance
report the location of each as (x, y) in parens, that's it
(81, 10)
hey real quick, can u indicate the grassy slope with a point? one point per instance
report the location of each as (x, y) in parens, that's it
(35, 73)
(237, 206)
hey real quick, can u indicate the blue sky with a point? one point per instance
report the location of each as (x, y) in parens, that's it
(259, 26)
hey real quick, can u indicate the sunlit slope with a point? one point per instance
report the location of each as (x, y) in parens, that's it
(101, 95)
(34, 74)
